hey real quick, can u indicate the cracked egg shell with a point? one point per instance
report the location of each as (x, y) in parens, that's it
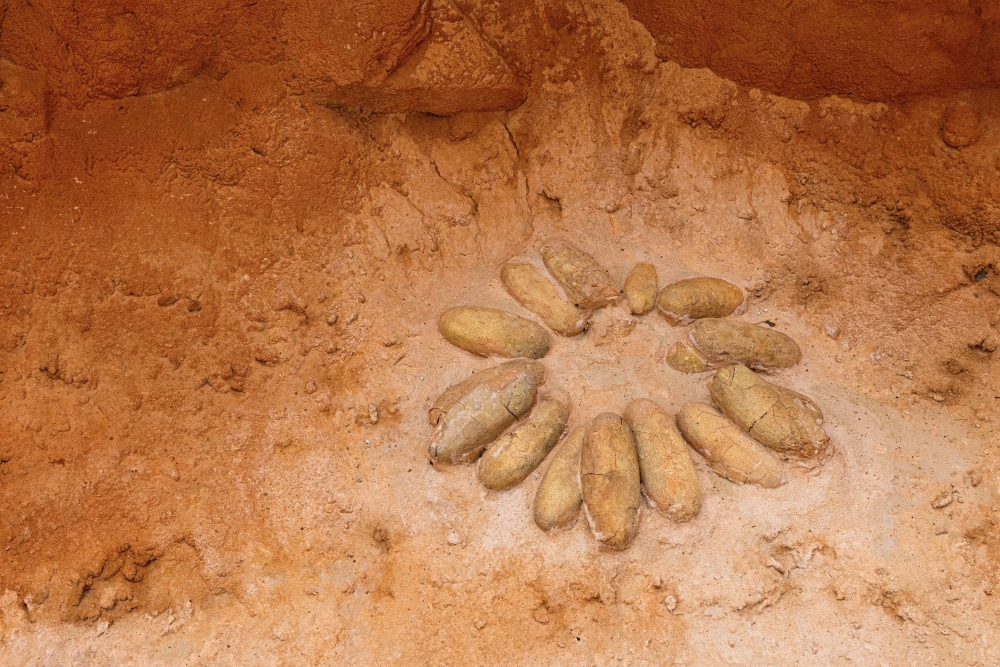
(586, 282)
(729, 451)
(779, 418)
(609, 479)
(535, 292)
(480, 416)
(665, 466)
(454, 393)
(515, 454)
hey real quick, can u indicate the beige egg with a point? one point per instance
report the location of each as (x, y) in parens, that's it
(446, 400)
(688, 300)
(515, 454)
(488, 331)
(779, 418)
(559, 497)
(729, 451)
(480, 416)
(665, 467)
(537, 293)
(588, 284)
(683, 358)
(641, 288)
(729, 341)
(609, 478)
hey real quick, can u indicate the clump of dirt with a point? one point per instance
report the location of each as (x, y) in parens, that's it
(219, 340)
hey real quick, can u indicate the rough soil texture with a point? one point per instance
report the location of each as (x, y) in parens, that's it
(218, 342)
(385, 55)
(110, 49)
(888, 50)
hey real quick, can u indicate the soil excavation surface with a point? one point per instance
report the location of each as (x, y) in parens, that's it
(219, 340)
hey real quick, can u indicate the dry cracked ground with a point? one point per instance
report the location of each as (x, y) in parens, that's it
(218, 342)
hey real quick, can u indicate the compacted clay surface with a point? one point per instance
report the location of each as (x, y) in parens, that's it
(218, 344)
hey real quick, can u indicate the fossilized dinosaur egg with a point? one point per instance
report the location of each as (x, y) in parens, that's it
(609, 478)
(779, 418)
(665, 467)
(537, 293)
(729, 451)
(488, 331)
(454, 393)
(480, 416)
(641, 288)
(688, 300)
(960, 126)
(515, 454)
(558, 498)
(586, 282)
(728, 341)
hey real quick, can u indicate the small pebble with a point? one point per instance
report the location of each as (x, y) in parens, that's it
(943, 500)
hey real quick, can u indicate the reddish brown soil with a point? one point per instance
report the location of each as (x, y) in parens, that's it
(889, 50)
(218, 309)
(109, 49)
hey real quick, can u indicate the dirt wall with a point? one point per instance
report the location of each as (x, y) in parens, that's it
(879, 51)
(219, 340)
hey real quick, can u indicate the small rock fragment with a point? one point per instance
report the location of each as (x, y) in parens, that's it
(943, 499)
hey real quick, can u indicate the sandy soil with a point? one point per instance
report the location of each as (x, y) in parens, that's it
(218, 343)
